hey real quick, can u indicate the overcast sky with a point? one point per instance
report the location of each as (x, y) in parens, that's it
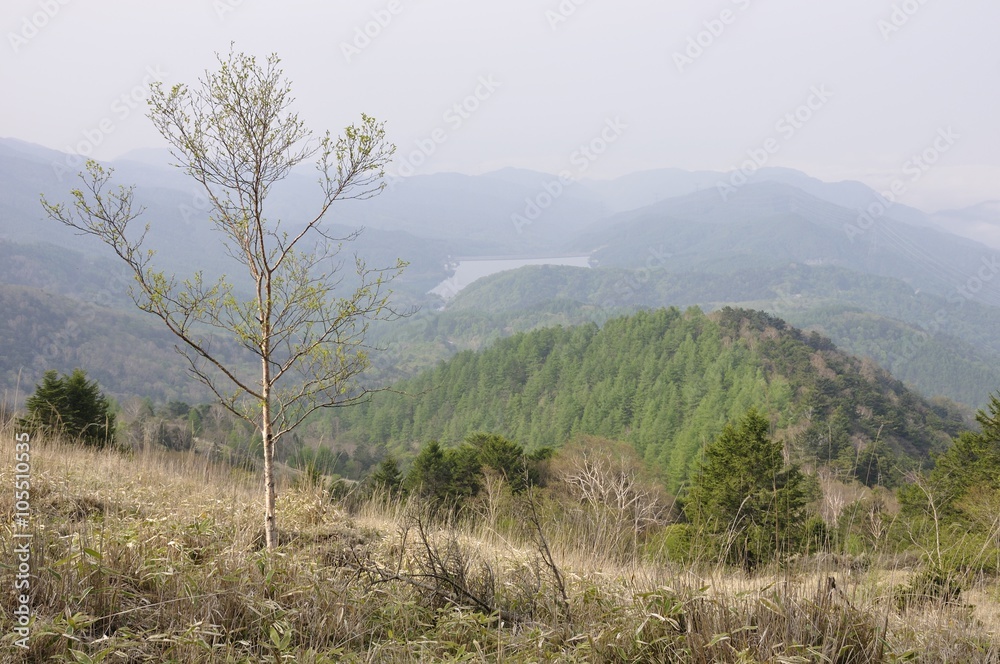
(686, 84)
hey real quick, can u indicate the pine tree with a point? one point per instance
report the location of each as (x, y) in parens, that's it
(47, 407)
(989, 419)
(71, 405)
(503, 456)
(387, 479)
(744, 493)
(972, 461)
(430, 474)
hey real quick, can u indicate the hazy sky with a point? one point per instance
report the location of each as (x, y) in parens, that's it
(693, 85)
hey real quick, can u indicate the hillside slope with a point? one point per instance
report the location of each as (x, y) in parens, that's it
(129, 354)
(666, 382)
(770, 225)
(939, 346)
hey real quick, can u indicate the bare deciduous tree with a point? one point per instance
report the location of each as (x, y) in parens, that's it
(621, 503)
(290, 311)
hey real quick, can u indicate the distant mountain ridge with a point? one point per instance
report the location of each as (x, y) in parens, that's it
(661, 237)
(771, 224)
(981, 222)
(478, 207)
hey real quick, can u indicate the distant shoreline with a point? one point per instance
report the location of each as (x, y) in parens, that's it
(468, 270)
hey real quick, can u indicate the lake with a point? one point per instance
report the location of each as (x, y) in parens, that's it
(470, 269)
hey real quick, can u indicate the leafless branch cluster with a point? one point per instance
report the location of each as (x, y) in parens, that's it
(618, 501)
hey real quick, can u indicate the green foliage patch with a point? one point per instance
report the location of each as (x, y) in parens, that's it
(665, 381)
(72, 406)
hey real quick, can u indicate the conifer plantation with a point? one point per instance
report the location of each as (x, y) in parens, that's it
(871, 539)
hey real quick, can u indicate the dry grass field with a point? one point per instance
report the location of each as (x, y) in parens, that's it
(152, 557)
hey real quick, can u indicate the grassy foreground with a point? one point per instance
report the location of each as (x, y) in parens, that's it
(157, 558)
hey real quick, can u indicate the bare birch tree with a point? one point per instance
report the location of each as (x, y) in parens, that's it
(289, 309)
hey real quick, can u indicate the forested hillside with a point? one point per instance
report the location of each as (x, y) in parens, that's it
(659, 238)
(941, 346)
(125, 351)
(667, 382)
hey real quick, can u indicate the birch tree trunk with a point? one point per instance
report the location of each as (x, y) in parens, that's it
(236, 137)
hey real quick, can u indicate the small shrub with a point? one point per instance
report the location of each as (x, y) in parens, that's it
(673, 543)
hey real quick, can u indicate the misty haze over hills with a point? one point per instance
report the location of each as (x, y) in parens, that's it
(613, 314)
(464, 206)
(783, 242)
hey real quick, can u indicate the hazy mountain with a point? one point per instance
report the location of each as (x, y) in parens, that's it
(980, 222)
(850, 194)
(177, 213)
(769, 225)
(638, 190)
(784, 242)
(511, 211)
(508, 212)
(128, 353)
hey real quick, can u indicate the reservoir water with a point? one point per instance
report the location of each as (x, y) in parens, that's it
(470, 269)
